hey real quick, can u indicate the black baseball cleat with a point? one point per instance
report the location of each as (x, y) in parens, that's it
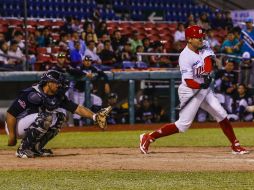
(25, 153)
(44, 153)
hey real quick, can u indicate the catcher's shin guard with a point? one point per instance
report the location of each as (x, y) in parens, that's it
(52, 132)
(36, 131)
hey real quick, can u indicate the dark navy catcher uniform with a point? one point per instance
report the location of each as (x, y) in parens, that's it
(40, 116)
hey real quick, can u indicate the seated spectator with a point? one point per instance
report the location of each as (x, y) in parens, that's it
(115, 116)
(2, 37)
(218, 22)
(18, 37)
(126, 53)
(147, 44)
(102, 40)
(228, 21)
(213, 42)
(240, 102)
(63, 43)
(226, 80)
(159, 60)
(107, 56)
(89, 29)
(40, 40)
(4, 51)
(247, 38)
(75, 56)
(135, 41)
(14, 51)
(117, 41)
(91, 52)
(67, 27)
(76, 25)
(180, 33)
(101, 29)
(203, 21)
(75, 37)
(229, 46)
(246, 67)
(190, 21)
(177, 48)
(48, 40)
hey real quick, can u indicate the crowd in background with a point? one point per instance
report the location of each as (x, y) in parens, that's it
(80, 43)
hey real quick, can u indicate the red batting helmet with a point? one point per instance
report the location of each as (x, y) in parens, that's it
(194, 31)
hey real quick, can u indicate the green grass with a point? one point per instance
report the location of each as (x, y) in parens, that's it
(194, 137)
(80, 180)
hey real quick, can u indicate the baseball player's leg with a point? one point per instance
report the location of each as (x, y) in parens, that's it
(186, 117)
(213, 107)
(33, 134)
(50, 134)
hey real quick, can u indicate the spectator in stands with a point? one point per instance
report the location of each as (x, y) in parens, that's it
(135, 41)
(228, 21)
(141, 58)
(101, 29)
(63, 43)
(4, 51)
(237, 31)
(126, 53)
(89, 28)
(32, 44)
(75, 37)
(180, 33)
(145, 114)
(107, 56)
(75, 56)
(203, 21)
(177, 48)
(15, 51)
(218, 22)
(159, 60)
(115, 116)
(227, 83)
(76, 25)
(61, 64)
(102, 40)
(190, 20)
(246, 67)
(48, 40)
(40, 41)
(117, 41)
(241, 100)
(91, 52)
(67, 27)
(2, 37)
(147, 44)
(213, 42)
(247, 38)
(230, 45)
(18, 37)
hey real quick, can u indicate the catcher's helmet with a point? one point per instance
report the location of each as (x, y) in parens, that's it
(52, 76)
(194, 31)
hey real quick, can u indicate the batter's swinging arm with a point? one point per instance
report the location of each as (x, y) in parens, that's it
(180, 108)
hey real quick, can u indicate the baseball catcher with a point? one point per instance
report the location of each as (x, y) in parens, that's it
(38, 113)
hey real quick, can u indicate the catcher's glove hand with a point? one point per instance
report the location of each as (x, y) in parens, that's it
(101, 117)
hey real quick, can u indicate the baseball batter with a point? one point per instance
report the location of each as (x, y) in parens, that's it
(195, 65)
(37, 115)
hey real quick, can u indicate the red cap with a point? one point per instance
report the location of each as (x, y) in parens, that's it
(194, 31)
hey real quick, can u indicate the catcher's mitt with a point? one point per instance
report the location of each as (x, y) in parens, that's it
(101, 117)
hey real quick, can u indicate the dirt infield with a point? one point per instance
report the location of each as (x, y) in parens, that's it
(163, 159)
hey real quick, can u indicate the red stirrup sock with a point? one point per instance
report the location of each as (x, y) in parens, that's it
(228, 130)
(166, 130)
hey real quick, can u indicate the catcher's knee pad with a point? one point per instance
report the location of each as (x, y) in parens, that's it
(61, 118)
(43, 121)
